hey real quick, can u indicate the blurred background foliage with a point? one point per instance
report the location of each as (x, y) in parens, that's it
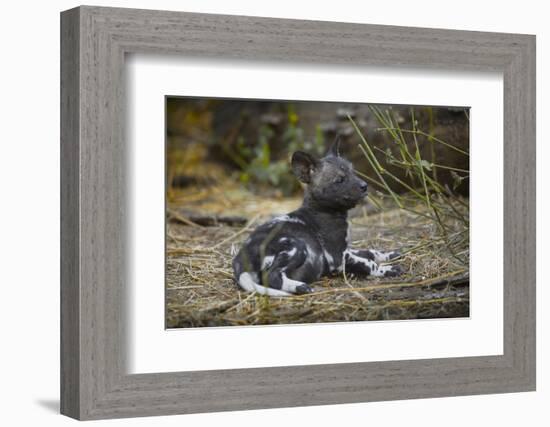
(251, 141)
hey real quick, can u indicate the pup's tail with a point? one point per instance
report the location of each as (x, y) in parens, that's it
(247, 282)
(250, 281)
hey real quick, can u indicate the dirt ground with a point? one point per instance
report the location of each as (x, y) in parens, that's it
(205, 227)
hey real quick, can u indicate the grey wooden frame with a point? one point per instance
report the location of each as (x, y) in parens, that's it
(94, 382)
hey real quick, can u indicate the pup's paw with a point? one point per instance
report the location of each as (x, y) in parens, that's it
(303, 289)
(394, 271)
(394, 255)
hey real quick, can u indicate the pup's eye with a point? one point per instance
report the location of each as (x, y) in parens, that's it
(339, 179)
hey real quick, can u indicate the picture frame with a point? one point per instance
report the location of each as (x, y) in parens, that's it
(94, 234)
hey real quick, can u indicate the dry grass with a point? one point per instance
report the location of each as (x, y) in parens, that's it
(200, 290)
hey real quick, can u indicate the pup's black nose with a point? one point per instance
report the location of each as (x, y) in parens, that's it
(363, 187)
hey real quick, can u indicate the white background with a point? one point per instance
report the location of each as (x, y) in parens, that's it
(152, 349)
(29, 219)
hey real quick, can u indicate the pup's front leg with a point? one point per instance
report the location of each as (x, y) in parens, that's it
(381, 256)
(363, 262)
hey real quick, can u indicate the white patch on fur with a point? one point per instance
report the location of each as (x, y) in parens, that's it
(331, 264)
(330, 260)
(286, 218)
(375, 269)
(267, 262)
(380, 256)
(291, 252)
(359, 260)
(246, 281)
(382, 269)
(290, 285)
(314, 259)
(311, 255)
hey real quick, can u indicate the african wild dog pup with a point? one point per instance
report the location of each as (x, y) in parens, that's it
(283, 256)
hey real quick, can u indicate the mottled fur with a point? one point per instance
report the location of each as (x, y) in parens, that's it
(283, 256)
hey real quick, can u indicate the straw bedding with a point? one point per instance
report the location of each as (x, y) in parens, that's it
(200, 290)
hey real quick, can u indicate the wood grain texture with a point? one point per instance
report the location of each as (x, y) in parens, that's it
(95, 235)
(70, 292)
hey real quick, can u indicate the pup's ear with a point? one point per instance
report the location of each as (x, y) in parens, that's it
(334, 149)
(303, 166)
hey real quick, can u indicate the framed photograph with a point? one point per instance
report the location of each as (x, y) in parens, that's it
(262, 213)
(234, 169)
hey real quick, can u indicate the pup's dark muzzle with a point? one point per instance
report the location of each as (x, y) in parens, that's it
(363, 186)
